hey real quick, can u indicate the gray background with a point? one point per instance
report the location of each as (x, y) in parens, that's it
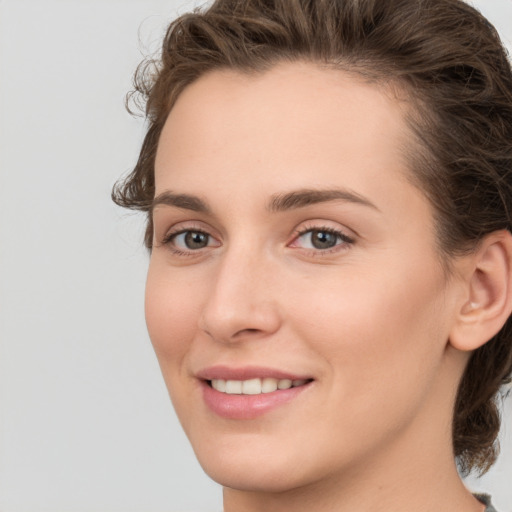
(85, 421)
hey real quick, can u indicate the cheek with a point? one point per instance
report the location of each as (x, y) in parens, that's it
(382, 335)
(171, 310)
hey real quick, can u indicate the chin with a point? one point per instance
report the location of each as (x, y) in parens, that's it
(251, 477)
(256, 466)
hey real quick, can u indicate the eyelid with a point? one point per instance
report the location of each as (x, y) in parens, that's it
(321, 226)
(347, 237)
(174, 234)
(184, 227)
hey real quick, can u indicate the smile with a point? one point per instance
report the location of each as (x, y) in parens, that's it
(250, 392)
(255, 386)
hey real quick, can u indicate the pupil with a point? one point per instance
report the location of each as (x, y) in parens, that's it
(195, 240)
(323, 240)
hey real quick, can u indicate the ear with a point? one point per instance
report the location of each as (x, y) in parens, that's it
(487, 302)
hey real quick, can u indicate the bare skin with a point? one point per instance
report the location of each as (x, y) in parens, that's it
(349, 291)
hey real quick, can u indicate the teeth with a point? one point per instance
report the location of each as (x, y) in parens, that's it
(219, 385)
(234, 387)
(284, 384)
(268, 385)
(254, 386)
(251, 387)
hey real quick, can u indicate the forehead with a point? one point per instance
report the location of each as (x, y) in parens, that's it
(297, 122)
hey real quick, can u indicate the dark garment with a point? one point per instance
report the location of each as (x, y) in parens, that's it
(486, 500)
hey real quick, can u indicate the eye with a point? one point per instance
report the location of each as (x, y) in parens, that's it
(316, 239)
(189, 240)
(321, 239)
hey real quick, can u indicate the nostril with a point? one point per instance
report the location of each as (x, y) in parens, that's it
(235, 321)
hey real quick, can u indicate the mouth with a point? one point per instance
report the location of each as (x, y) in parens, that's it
(250, 392)
(256, 386)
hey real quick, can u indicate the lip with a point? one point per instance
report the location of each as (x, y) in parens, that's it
(247, 407)
(246, 373)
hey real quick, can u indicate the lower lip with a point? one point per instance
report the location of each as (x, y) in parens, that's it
(247, 407)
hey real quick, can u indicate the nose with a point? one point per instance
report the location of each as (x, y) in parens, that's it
(242, 302)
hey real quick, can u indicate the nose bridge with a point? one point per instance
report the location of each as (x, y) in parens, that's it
(241, 301)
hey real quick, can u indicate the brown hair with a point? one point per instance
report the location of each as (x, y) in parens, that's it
(450, 60)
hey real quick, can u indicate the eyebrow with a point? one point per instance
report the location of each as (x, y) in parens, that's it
(306, 197)
(278, 203)
(184, 201)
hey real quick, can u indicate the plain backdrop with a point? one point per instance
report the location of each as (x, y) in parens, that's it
(86, 424)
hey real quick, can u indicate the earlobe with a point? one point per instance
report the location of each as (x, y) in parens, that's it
(488, 302)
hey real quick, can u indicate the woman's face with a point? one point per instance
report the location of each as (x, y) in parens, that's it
(289, 245)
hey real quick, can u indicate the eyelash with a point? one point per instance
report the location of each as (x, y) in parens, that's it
(342, 240)
(171, 236)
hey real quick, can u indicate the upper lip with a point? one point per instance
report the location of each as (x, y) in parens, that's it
(247, 373)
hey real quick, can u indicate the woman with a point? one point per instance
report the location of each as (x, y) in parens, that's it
(328, 188)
